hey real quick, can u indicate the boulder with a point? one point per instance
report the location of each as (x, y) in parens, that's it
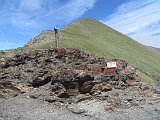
(60, 52)
(56, 86)
(106, 87)
(96, 88)
(86, 87)
(147, 90)
(51, 99)
(64, 76)
(34, 95)
(144, 87)
(75, 109)
(39, 81)
(82, 97)
(96, 69)
(59, 90)
(72, 92)
(157, 88)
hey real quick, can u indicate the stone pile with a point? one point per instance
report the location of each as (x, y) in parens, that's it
(68, 72)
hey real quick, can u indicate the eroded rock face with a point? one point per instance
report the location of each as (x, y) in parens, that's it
(69, 72)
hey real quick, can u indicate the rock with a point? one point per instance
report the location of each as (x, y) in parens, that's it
(129, 98)
(32, 54)
(84, 77)
(4, 75)
(130, 70)
(27, 97)
(106, 88)
(34, 95)
(121, 64)
(157, 88)
(110, 71)
(9, 88)
(8, 93)
(75, 54)
(76, 110)
(39, 81)
(15, 61)
(96, 69)
(105, 78)
(2, 96)
(157, 91)
(109, 108)
(63, 94)
(17, 73)
(71, 85)
(72, 92)
(60, 90)
(138, 101)
(146, 89)
(51, 99)
(24, 88)
(82, 97)
(104, 96)
(73, 80)
(96, 88)
(125, 105)
(64, 76)
(57, 86)
(130, 82)
(6, 64)
(86, 87)
(60, 52)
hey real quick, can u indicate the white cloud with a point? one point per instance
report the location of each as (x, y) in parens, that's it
(33, 13)
(28, 17)
(70, 11)
(77, 8)
(140, 19)
(31, 4)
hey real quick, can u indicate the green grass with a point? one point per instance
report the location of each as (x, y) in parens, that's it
(96, 38)
(146, 78)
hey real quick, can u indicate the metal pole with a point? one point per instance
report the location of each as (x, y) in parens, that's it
(56, 36)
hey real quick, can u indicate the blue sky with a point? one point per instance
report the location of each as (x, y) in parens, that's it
(20, 20)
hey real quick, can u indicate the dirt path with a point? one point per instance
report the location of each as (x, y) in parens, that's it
(23, 108)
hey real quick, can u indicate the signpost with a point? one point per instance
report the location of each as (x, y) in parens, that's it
(56, 36)
(111, 68)
(111, 65)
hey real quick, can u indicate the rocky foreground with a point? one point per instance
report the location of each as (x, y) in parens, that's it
(59, 84)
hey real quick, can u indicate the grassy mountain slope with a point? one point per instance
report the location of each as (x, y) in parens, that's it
(94, 37)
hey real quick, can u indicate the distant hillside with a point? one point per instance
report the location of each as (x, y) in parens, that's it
(96, 38)
(42, 38)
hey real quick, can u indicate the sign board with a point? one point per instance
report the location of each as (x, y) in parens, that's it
(111, 65)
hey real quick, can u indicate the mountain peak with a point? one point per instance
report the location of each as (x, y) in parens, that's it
(94, 37)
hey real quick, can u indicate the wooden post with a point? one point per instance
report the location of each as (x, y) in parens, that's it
(56, 36)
